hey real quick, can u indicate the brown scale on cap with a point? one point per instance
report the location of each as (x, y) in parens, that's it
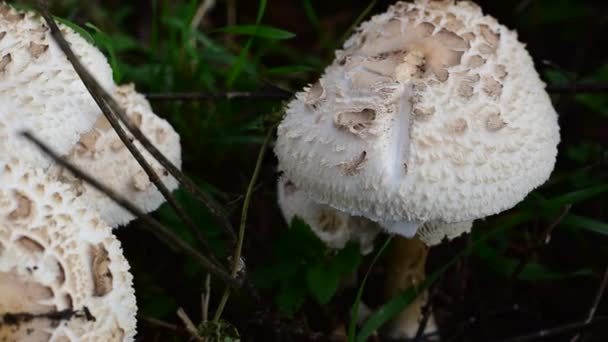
(24, 208)
(458, 126)
(36, 50)
(353, 167)
(491, 87)
(141, 181)
(439, 50)
(4, 62)
(2, 34)
(21, 296)
(467, 85)
(495, 122)
(489, 36)
(501, 71)
(423, 113)
(315, 93)
(9, 15)
(453, 23)
(355, 122)
(476, 61)
(30, 245)
(102, 277)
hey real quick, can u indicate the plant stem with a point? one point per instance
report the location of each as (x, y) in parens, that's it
(241, 235)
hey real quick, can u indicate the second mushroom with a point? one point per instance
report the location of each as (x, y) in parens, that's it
(431, 116)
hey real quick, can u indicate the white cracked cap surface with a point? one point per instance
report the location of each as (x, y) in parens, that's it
(431, 112)
(332, 226)
(100, 152)
(56, 254)
(39, 89)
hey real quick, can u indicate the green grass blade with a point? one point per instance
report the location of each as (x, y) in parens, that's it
(577, 196)
(355, 308)
(587, 223)
(235, 71)
(260, 31)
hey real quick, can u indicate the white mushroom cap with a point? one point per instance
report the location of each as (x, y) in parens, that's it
(56, 254)
(431, 112)
(40, 90)
(100, 152)
(332, 226)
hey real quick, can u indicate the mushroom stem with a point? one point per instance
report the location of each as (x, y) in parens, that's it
(406, 269)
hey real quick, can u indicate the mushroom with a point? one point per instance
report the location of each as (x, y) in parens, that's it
(333, 227)
(100, 152)
(431, 113)
(62, 272)
(39, 89)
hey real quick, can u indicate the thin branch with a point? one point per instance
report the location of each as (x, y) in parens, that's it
(427, 311)
(101, 98)
(162, 324)
(229, 95)
(236, 258)
(569, 328)
(110, 108)
(205, 300)
(162, 232)
(189, 325)
(204, 7)
(596, 302)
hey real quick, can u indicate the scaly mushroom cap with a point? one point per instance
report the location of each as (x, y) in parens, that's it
(333, 227)
(100, 152)
(59, 263)
(39, 89)
(431, 112)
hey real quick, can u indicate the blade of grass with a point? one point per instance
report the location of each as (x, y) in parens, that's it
(259, 31)
(577, 196)
(587, 223)
(355, 308)
(235, 71)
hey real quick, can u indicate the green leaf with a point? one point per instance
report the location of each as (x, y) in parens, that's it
(324, 277)
(347, 260)
(587, 223)
(291, 296)
(322, 282)
(105, 41)
(260, 31)
(81, 31)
